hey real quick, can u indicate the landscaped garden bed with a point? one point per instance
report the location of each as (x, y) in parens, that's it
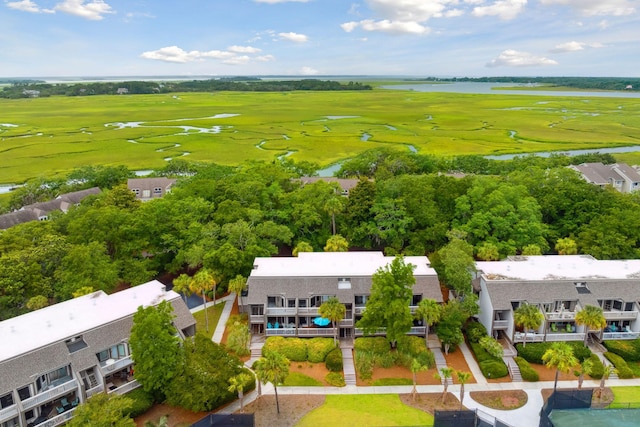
(503, 400)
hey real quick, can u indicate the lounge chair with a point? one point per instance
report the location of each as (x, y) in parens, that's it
(59, 409)
(64, 402)
(269, 325)
(277, 325)
(75, 402)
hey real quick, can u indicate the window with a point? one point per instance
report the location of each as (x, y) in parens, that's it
(344, 283)
(157, 191)
(415, 299)
(361, 300)
(15, 422)
(628, 306)
(146, 193)
(302, 303)
(617, 305)
(6, 400)
(257, 310)
(291, 302)
(24, 392)
(118, 351)
(318, 300)
(76, 343)
(136, 191)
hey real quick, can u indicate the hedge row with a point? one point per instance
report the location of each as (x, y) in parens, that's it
(533, 352)
(629, 350)
(491, 366)
(624, 371)
(333, 361)
(597, 368)
(526, 371)
(298, 349)
(475, 331)
(375, 345)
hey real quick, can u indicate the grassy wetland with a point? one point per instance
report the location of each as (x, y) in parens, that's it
(49, 136)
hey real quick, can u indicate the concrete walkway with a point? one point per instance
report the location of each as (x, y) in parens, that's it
(473, 365)
(228, 301)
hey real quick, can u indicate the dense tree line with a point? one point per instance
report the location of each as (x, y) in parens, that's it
(598, 83)
(21, 89)
(222, 217)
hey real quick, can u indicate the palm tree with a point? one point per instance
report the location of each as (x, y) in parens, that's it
(429, 311)
(445, 374)
(236, 385)
(608, 370)
(416, 366)
(273, 368)
(201, 282)
(463, 377)
(559, 356)
(162, 422)
(332, 206)
(333, 310)
(238, 284)
(181, 285)
(529, 317)
(336, 243)
(592, 318)
(585, 368)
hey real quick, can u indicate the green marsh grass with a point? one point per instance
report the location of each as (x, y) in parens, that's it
(55, 135)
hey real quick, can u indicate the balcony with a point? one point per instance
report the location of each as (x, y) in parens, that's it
(280, 332)
(308, 311)
(623, 335)
(281, 311)
(564, 315)
(50, 394)
(620, 315)
(256, 318)
(115, 365)
(531, 337)
(358, 332)
(359, 310)
(316, 332)
(8, 413)
(413, 309)
(500, 324)
(565, 336)
(346, 323)
(57, 420)
(126, 387)
(417, 330)
(95, 390)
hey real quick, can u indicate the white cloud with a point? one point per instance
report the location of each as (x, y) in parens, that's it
(603, 25)
(280, 1)
(397, 27)
(27, 6)
(294, 37)
(513, 58)
(574, 46)
(597, 7)
(176, 54)
(504, 9)
(265, 58)
(453, 13)
(92, 10)
(410, 10)
(349, 26)
(243, 49)
(308, 71)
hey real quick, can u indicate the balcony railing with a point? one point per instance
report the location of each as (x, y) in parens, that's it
(256, 318)
(359, 310)
(272, 332)
(418, 330)
(561, 315)
(126, 387)
(359, 332)
(281, 311)
(531, 337)
(115, 365)
(413, 309)
(8, 412)
(95, 390)
(50, 394)
(620, 315)
(58, 419)
(308, 311)
(316, 332)
(346, 323)
(620, 335)
(569, 336)
(500, 324)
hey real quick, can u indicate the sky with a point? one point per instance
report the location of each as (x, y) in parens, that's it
(442, 38)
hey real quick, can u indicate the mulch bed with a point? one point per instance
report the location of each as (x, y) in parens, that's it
(502, 400)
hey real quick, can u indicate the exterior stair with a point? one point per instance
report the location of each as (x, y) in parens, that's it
(348, 367)
(514, 370)
(441, 362)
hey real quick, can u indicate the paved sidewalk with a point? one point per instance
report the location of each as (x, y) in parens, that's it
(473, 365)
(228, 301)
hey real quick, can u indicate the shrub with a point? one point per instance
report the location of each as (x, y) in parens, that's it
(364, 365)
(526, 371)
(597, 368)
(475, 331)
(411, 345)
(294, 349)
(624, 371)
(533, 352)
(335, 379)
(333, 361)
(239, 339)
(142, 402)
(318, 348)
(426, 358)
(491, 346)
(629, 350)
(375, 345)
(480, 353)
(493, 368)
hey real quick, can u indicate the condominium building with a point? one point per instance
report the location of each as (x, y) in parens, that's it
(285, 293)
(560, 286)
(53, 359)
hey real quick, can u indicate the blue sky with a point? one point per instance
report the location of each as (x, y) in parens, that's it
(320, 37)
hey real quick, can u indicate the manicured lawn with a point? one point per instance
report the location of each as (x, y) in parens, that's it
(392, 381)
(214, 313)
(626, 397)
(366, 410)
(300, 380)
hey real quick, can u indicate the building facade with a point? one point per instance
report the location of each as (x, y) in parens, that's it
(560, 286)
(147, 189)
(619, 176)
(285, 293)
(53, 359)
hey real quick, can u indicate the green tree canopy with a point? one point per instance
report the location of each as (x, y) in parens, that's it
(103, 410)
(333, 310)
(388, 304)
(155, 349)
(592, 318)
(272, 368)
(559, 356)
(528, 316)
